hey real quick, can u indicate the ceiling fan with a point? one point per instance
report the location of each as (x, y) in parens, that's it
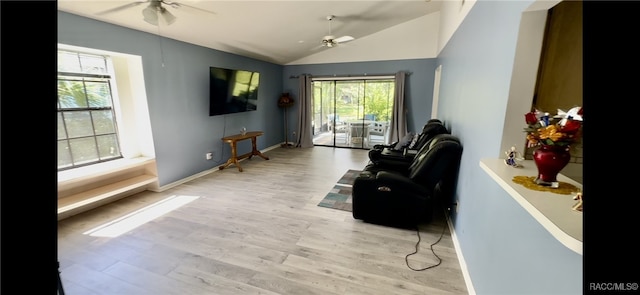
(332, 41)
(155, 8)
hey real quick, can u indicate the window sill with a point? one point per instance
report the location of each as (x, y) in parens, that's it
(97, 170)
(552, 211)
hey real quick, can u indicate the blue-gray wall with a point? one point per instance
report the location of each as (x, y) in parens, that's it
(418, 88)
(505, 249)
(178, 95)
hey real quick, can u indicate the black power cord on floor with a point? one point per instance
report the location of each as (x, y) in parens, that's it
(406, 258)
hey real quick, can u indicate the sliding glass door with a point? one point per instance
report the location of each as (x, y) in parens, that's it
(352, 112)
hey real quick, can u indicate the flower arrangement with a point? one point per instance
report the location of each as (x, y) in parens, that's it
(560, 130)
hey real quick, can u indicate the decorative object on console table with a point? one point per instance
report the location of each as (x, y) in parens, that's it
(564, 188)
(578, 205)
(550, 160)
(513, 157)
(285, 101)
(553, 137)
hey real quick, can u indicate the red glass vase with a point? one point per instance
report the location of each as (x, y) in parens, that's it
(550, 160)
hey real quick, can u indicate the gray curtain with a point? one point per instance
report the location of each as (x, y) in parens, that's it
(398, 126)
(305, 136)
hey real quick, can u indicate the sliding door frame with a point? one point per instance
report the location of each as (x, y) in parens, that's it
(342, 116)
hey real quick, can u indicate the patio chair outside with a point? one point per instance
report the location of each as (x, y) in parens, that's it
(379, 129)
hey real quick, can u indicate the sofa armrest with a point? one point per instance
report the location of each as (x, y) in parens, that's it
(398, 181)
(388, 182)
(382, 146)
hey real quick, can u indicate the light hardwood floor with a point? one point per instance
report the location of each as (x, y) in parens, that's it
(255, 232)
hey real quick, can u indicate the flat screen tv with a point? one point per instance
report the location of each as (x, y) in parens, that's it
(232, 91)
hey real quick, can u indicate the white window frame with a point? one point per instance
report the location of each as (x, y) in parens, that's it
(131, 109)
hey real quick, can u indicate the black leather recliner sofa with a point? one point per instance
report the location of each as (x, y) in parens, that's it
(399, 156)
(405, 197)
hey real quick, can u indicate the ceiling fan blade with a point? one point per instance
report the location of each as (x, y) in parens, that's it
(150, 15)
(343, 39)
(121, 7)
(167, 16)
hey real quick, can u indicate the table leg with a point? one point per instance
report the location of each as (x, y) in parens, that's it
(255, 151)
(233, 159)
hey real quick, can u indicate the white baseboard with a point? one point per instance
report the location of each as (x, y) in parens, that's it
(463, 264)
(201, 174)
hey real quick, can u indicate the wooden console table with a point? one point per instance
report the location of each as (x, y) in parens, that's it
(233, 140)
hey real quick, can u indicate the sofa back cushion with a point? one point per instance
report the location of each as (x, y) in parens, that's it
(437, 160)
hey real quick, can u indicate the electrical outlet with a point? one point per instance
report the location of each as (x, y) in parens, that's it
(209, 156)
(294, 134)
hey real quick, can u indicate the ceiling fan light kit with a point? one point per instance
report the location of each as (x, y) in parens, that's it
(151, 12)
(150, 15)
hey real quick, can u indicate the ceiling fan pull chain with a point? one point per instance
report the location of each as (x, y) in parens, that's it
(161, 50)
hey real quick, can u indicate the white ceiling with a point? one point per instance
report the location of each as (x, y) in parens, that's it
(288, 32)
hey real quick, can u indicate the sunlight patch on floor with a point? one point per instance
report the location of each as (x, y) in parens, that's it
(129, 222)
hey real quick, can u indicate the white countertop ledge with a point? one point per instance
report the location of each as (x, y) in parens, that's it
(553, 211)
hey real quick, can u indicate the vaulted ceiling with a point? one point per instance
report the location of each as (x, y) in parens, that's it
(283, 32)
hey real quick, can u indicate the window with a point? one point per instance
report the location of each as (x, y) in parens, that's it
(87, 129)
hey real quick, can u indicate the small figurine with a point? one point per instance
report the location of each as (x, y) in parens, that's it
(578, 205)
(544, 120)
(513, 157)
